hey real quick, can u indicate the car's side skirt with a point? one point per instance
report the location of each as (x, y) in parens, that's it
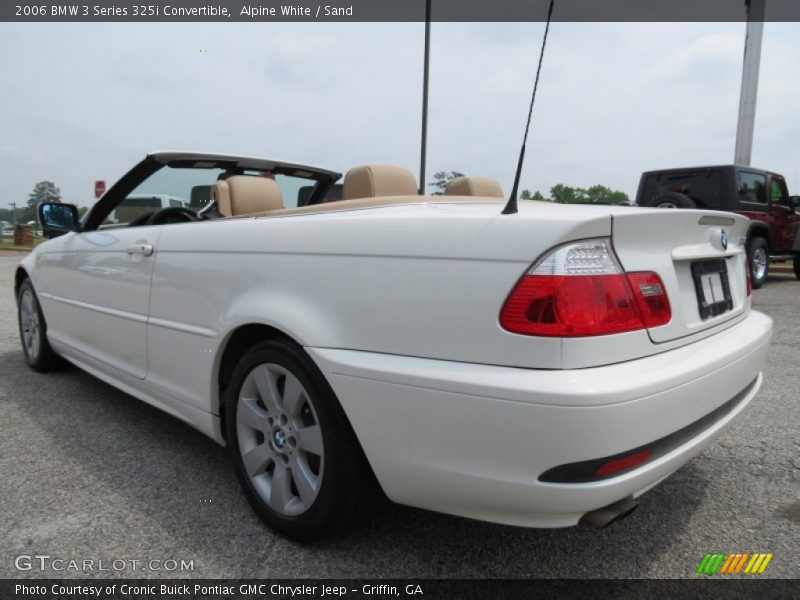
(203, 421)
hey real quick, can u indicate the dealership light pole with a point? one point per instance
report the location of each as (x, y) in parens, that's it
(749, 91)
(13, 206)
(426, 62)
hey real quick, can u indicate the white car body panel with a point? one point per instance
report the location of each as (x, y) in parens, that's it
(101, 300)
(473, 441)
(399, 306)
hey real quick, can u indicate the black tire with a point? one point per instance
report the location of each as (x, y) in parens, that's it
(346, 486)
(670, 200)
(797, 265)
(758, 259)
(39, 355)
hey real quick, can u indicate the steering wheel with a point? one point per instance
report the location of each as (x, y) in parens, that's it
(172, 214)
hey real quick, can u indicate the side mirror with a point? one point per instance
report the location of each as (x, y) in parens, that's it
(57, 218)
(794, 202)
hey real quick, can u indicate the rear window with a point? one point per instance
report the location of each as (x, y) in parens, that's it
(703, 186)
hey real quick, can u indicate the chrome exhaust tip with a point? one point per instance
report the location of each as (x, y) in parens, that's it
(603, 517)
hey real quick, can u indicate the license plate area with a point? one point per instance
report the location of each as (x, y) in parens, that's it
(712, 287)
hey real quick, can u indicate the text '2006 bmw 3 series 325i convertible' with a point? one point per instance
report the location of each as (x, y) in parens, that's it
(539, 369)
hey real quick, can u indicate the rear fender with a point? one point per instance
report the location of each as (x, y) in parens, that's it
(296, 317)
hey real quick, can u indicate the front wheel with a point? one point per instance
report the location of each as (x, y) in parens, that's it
(797, 265)
(758, 255)
(293, 449)
(33, 331)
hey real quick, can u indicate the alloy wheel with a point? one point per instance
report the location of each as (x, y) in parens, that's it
(30, 324)
(759, 263)
(280, 439)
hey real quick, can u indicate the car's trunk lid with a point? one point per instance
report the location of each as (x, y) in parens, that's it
(700, 257)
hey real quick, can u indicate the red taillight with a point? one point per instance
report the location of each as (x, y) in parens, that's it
(626, 462)
(571, 305)
(651, 298)
(580, 290)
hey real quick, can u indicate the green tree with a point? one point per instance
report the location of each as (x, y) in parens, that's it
(44, 191)
(527, 195)
(600, 194)
(563, 194)
(596, 194)
(441, 179)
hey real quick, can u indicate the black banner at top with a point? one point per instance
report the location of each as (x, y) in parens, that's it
(395, 10)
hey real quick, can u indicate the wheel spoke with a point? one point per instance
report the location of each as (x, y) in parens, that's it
(27, 303)
(29, 323)
(310, 439)
(305, 481)
(251, 414)
(256, 460)
(293, 395)
(280, 491)
(267, 390)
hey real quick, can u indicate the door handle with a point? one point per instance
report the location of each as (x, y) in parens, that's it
(143, 249)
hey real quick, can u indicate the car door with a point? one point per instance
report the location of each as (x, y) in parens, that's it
(102, 303)
(784, 222)
(102, 296)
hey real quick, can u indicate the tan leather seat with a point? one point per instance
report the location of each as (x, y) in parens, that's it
(246, 194)
(474, 186)
(373, 181)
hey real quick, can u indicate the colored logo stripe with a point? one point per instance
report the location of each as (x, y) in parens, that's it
(734, 563)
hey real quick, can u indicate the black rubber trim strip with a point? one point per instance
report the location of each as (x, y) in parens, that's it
(586, 471)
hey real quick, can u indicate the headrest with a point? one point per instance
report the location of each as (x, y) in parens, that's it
(246, 194)
(474, 186)
(371, 181)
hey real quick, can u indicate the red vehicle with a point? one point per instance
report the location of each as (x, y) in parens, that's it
(762, 196)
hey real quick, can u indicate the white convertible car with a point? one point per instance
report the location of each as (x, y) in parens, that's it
(541, 369)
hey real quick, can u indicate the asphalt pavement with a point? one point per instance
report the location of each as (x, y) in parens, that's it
(90, 473)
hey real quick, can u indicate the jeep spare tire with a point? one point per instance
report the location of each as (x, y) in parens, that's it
(671, 200)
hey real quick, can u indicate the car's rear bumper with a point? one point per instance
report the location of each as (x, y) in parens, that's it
(473, 440)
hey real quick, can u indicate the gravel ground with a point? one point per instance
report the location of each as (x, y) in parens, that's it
(87, 471)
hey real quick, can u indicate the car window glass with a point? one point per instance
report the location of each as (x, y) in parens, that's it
(703, 186)
(293, 190)
(753, 188)
(778, 192)
(167, 187)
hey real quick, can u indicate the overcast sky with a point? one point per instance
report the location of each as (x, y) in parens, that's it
(87, 101)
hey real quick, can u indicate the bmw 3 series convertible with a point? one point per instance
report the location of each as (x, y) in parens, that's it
(346, 340)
